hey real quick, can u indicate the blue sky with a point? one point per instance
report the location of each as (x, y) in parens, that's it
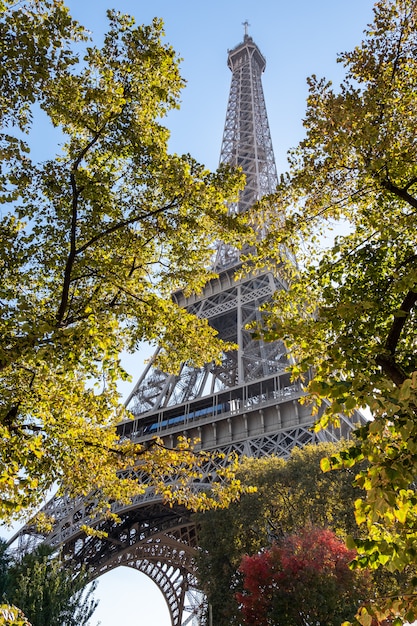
(298, 38)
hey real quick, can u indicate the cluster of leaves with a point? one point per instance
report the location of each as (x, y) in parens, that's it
(46, 592)
(289, 495)
(92, 243)
(350, 311)
(12, 616)
(303, 579)
(200, 480)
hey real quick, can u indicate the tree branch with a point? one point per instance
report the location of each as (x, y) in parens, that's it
(123, 223)
(391, 369)
(400, 193)
(72, 253)
(399, 322)
(73, 228)
(387, 361)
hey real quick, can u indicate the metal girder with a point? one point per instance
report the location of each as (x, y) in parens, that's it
(154, 539)
(229, 311)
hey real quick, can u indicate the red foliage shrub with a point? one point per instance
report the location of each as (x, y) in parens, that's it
(304, 579)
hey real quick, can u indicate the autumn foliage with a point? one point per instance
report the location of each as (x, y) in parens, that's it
(350, 313)
(303, 579)
(95, 234)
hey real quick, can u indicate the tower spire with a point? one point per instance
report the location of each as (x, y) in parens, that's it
(246, 26)
(246, 136)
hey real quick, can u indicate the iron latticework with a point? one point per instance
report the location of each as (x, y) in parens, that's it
(247, 404)
(246, 138)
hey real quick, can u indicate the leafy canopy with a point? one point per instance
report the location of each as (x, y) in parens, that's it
(289, 495)
(47, 593)
(93, 241)
(350, 311)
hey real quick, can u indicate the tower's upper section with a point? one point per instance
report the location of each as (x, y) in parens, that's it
(246, 138)
(245, 53)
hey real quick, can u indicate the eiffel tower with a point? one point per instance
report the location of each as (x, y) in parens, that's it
(247, 405)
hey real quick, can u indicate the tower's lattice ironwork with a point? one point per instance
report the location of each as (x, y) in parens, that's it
(246, 138)
(248, 404)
